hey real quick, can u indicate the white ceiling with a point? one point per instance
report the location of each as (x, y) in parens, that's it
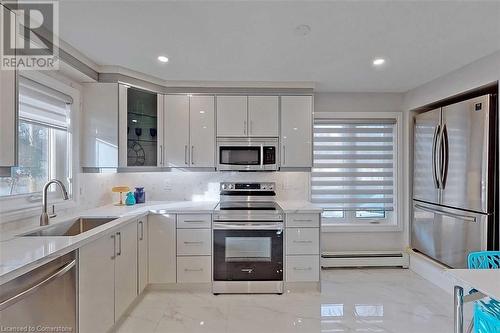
(258, 41)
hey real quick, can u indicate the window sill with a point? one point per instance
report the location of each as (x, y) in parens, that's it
(361, 228)
(32, 209)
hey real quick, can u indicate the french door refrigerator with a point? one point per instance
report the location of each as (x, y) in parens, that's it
(455, 181)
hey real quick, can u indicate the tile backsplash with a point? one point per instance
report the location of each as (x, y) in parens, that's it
(95, 189)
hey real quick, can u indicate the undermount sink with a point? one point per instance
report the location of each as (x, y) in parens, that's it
(72, 227)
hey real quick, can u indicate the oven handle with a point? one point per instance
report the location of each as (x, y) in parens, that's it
(247, 226)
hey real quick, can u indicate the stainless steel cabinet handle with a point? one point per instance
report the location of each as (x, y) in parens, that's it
(113, 237)
(185, 155)
(284, 154)
(193, 243)
(302, 269)
(302, 241)
(456, 216)
(251, 127)
(5, 304)
(119, 234)
(161, 154)
(299, 220)
(141, 224)
(193, 269)
(434, 158)
(194, 221)
(245, 127)
(192, 154)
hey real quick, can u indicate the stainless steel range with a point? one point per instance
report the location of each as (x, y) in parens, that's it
(248, 240)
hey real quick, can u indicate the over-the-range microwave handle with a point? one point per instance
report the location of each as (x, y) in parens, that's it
(247, 226)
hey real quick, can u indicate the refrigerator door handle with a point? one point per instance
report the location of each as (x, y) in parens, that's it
(446, 157)
(467, 218)
(434, 157)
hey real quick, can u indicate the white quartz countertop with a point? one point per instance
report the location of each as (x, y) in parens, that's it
(486, 281)
(19, 255)
(299, 207)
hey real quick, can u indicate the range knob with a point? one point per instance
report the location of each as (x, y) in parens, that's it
(224, 186)
(231, 186)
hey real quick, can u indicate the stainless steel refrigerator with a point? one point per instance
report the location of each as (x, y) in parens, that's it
(455, 181)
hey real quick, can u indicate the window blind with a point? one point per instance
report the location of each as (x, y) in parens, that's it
(353, 165)
(43, 104)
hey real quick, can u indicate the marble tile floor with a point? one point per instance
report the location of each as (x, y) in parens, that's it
(351, 300)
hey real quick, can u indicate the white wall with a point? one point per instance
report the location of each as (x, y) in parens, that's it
(473, 75)
(361, 102)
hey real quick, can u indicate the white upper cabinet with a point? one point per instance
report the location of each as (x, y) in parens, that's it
(176, 126)
(296, 131)
(140, 135)
(8, 110)
(202, 131)
(232, 116)
(100, 125)
(263, 115)
(189, 131)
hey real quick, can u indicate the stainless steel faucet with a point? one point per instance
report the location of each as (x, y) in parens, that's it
(44, 218)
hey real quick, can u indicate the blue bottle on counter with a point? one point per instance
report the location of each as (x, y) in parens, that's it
(140, 195)
(130, 199)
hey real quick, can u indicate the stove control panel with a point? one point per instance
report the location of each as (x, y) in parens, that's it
(247, 187)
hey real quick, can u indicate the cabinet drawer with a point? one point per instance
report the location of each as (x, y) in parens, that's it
(302, 241)
(302, 220)
(194, 242)
(194, 269)
(302, 268)
(194, 221)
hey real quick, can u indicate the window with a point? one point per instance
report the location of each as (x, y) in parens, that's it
(353, 177)
(44, 140)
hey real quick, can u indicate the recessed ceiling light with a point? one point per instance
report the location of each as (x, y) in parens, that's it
(303, 30)
(163, 59)
(378, 61)
(202, 112)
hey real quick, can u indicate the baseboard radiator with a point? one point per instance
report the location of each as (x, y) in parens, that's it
(365, 259)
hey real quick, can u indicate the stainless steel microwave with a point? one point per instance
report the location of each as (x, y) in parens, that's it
(247, 154)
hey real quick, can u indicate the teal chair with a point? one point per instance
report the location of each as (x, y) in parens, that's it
(486, 313)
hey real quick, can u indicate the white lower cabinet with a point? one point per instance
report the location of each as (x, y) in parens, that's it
(97, 285)
(302, 247)
(302, 241)
(302, 268)
(194, 242)
(162, 248)
(107, 279)
(125, 268)
(142, 254)
(194, 269)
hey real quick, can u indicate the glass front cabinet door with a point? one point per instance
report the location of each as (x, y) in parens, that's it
(141, 135)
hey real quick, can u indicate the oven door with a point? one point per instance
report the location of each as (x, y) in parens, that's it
(250, 253)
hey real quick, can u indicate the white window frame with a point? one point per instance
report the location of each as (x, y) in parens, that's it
(22, 206)
(395, 222)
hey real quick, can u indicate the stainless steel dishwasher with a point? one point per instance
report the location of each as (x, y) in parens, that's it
(42, 300)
